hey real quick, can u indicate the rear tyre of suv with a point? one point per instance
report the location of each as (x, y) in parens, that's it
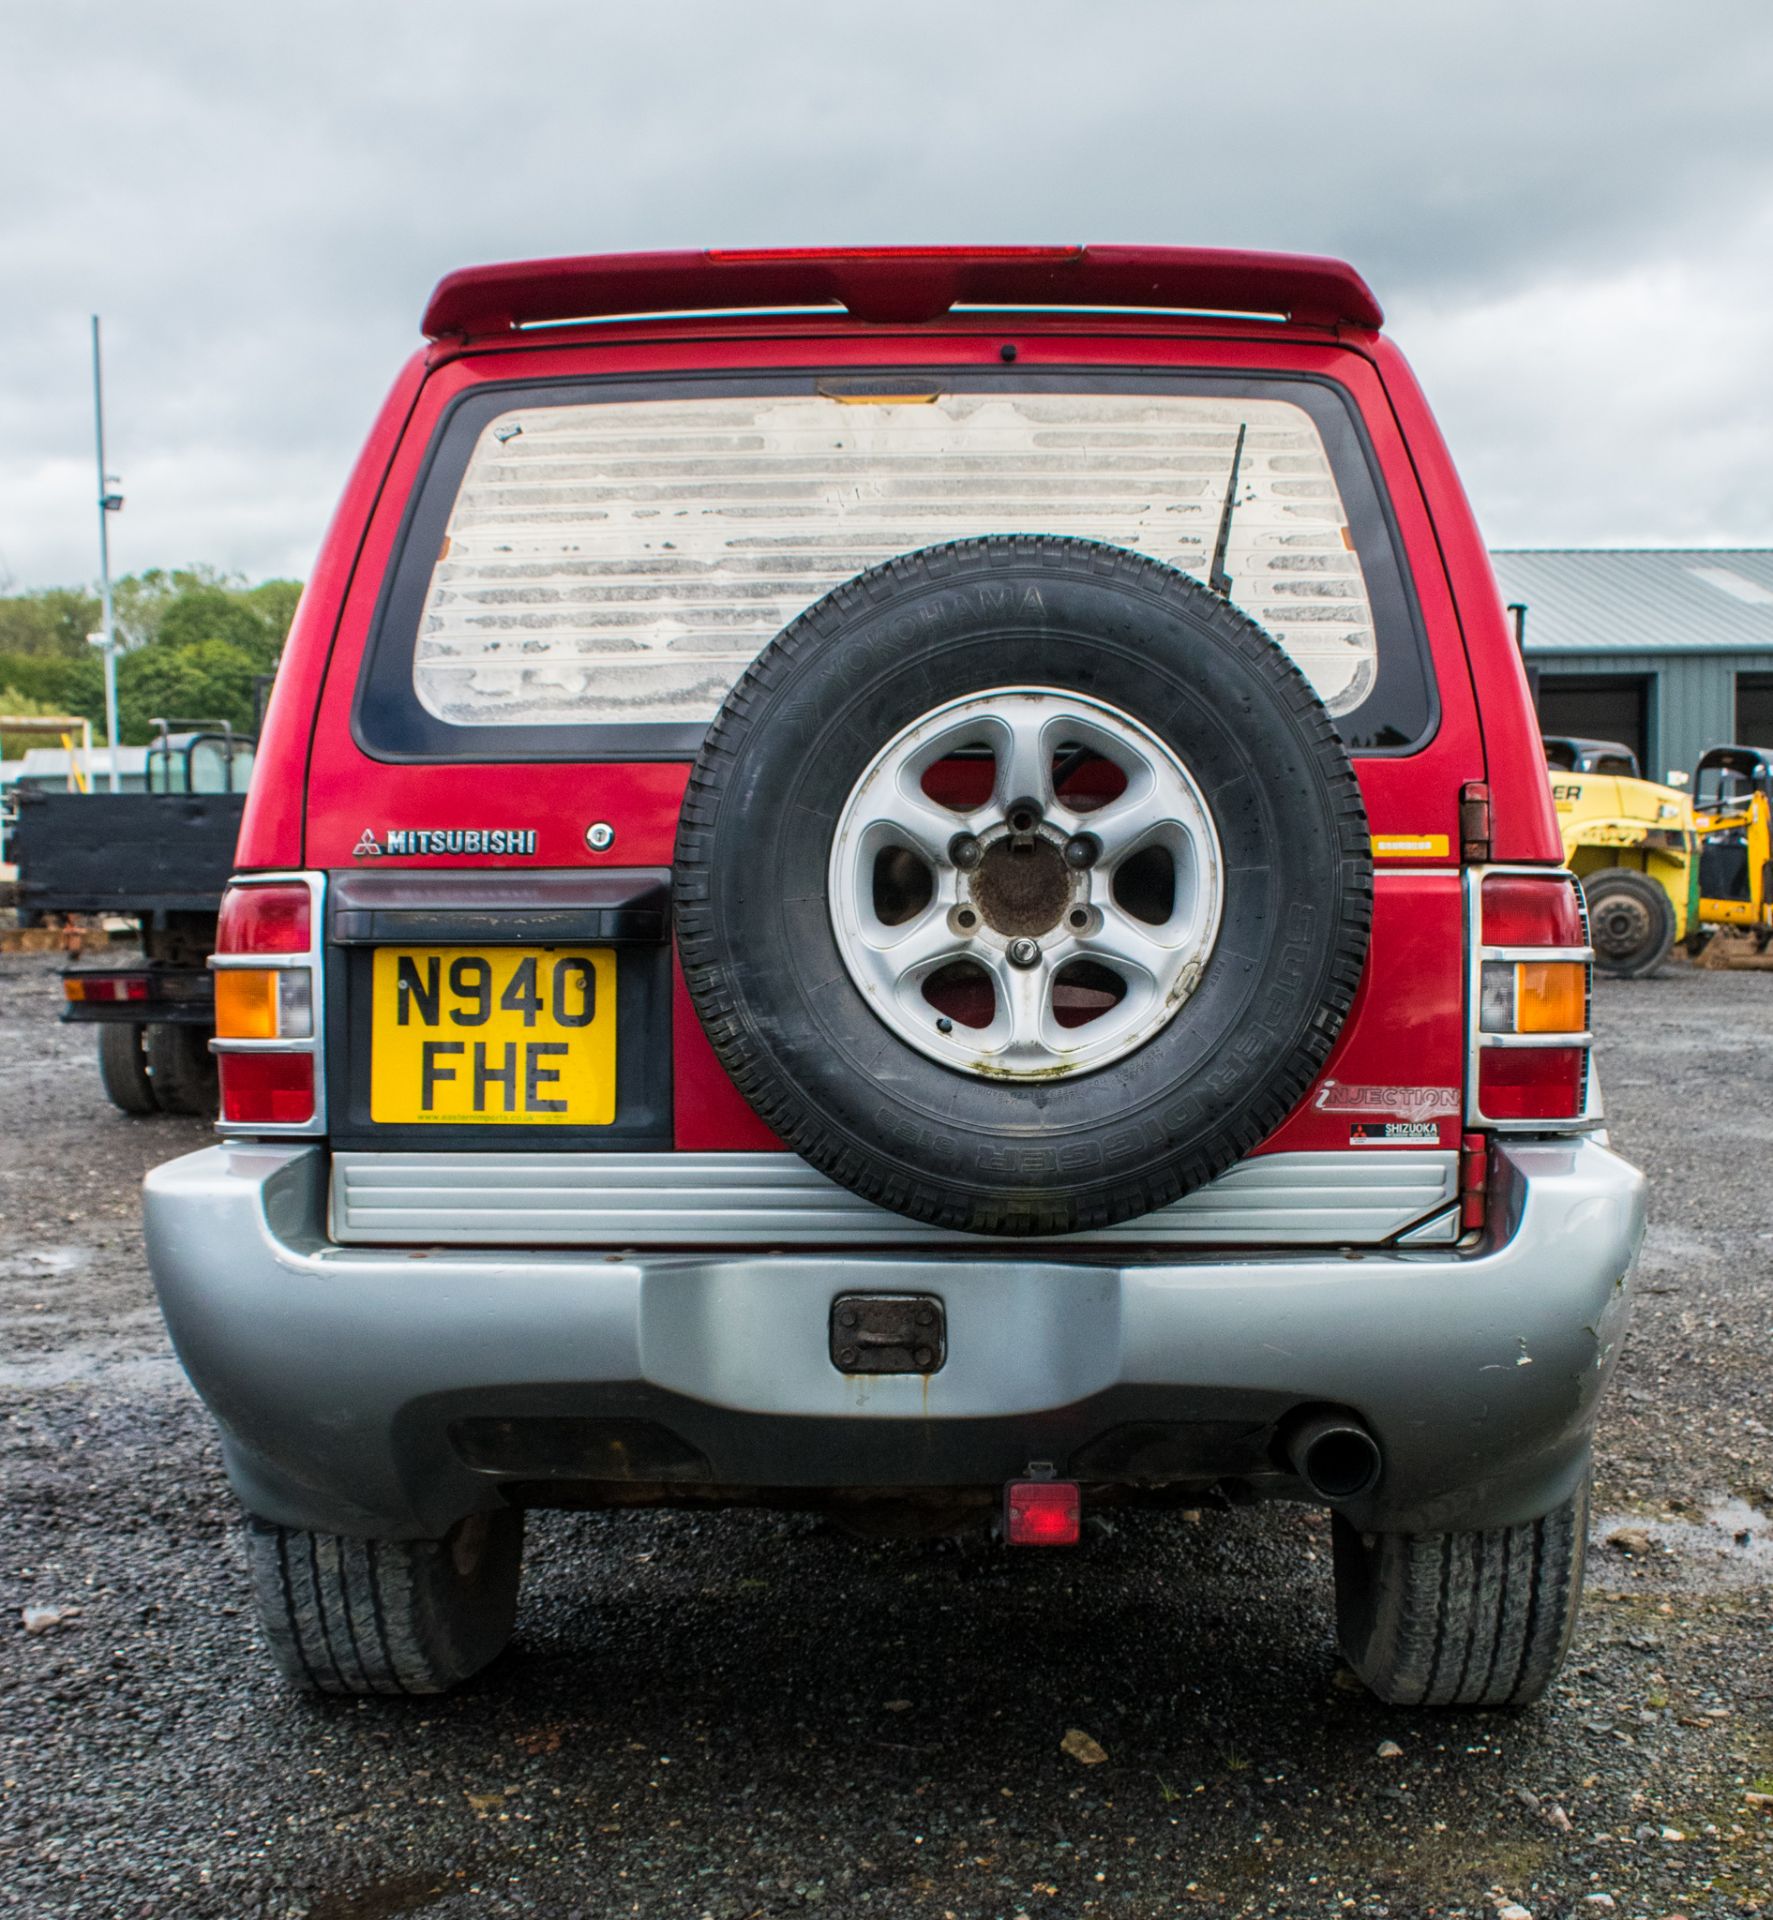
(1631, 922)
(387, 1616)
(123, 1067)
(1462, 1619)
(182, 1068)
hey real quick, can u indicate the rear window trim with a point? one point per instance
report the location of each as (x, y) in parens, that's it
(390, 724)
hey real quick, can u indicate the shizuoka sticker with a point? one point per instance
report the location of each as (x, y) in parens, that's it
(512, 842)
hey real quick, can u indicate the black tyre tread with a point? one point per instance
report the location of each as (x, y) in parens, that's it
(775, 1099)
(1628, 878)
(1480, 1619)
(353, 1616)
(182, 1068)
(123, 1068)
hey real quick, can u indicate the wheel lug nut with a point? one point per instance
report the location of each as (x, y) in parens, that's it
(1082, 850)
(1023, 953)
(965, 852)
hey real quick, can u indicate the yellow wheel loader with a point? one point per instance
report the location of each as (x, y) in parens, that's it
(1733, 808)
(1633, 844)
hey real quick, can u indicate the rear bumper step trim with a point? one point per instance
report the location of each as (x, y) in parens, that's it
(777, 1199)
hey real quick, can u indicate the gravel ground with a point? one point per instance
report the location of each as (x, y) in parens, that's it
(756, 1715)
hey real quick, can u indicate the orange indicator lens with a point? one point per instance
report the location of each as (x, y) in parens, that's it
(1550, 996)
(246, 1003)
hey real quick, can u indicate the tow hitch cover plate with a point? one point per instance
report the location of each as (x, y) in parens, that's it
(888, 1333)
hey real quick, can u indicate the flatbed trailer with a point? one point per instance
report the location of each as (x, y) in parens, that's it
(162, 860)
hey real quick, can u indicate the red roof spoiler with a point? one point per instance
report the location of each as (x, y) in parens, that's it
(899, 284)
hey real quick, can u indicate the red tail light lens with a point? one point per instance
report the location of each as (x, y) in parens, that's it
(267, 1089)
(1543, 1083)
(267, 919)
(1532, 910)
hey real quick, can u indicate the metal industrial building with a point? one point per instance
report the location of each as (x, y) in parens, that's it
(1669, 649)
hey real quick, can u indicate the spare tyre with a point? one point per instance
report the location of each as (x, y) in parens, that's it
(1022, 885)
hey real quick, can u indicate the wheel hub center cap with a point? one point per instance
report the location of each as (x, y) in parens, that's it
(1022, 887)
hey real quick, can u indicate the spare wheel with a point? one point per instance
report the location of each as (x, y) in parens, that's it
(1022, 885)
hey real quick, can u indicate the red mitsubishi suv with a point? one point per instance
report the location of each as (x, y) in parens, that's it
(918, 881)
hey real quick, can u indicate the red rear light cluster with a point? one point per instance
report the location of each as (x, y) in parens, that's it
(1529, 998)
(267, 1005)
(95, 988)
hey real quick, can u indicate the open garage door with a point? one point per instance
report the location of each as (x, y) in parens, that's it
(1754, 710)
(1597, 707)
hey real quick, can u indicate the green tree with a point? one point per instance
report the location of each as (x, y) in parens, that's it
(52, 623)
(55, 685)
(199, 680)
(193, 640)
(202, 613)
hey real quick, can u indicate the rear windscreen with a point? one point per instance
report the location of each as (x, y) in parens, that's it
(618, 562)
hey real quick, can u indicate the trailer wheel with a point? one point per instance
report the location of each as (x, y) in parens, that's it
(1631, 922)
(123, 1068)
(183, 1068)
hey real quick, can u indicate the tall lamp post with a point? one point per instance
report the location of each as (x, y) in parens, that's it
(108, 504)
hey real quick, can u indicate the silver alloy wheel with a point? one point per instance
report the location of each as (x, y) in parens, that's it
(1022, 886)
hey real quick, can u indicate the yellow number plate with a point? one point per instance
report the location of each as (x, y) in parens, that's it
(508, 1036)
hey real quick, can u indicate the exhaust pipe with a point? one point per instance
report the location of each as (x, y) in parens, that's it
(1336, 1458)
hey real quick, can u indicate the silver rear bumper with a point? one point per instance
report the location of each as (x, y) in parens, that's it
(384, 1390)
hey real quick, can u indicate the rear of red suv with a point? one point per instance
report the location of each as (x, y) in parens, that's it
(915, 881)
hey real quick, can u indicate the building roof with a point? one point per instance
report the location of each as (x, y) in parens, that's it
(1641, 599)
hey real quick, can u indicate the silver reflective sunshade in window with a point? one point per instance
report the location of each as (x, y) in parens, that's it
(627, 560)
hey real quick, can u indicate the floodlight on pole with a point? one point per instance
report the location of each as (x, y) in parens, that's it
(109, 502)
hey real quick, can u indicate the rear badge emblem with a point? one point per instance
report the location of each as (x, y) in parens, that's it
(513, 842)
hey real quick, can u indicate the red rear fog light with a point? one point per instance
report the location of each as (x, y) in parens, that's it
(267, 1088)
(1042, 1513)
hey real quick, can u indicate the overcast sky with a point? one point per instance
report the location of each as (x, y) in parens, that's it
(1566, 209)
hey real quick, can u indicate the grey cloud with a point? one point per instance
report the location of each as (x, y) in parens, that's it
(1565, 210)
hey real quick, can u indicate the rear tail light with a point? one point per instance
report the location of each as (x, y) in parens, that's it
(268, 991)
(273, 917)
(1529, 999)
(96, 989)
